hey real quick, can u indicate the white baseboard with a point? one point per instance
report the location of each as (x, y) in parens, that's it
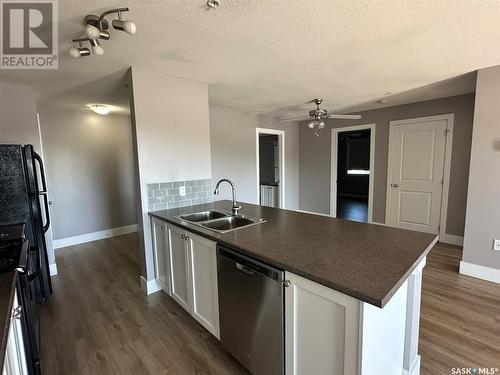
(53, 269)
(149, 287)
(480, 272)
(451, 239)
(415, 370)
(88, 237)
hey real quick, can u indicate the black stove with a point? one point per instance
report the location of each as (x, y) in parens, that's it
(11, 243)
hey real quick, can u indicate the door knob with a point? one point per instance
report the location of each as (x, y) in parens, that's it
(395, 185)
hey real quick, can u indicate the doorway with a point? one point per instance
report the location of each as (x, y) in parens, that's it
(418, 173)
(352, 172)
(270, 167)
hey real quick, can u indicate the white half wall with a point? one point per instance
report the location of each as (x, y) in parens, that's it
(170, 123)
(233, 145)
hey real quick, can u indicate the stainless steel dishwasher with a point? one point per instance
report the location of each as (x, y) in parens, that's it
(251, 312)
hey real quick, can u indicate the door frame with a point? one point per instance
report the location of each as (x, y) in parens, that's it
(334, 165)
(449, 117)
(281, 145)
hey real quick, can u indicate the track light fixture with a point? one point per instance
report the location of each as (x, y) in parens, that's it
(95, 29)
(77, 52)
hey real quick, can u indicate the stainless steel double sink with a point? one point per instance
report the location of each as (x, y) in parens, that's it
(219, 221)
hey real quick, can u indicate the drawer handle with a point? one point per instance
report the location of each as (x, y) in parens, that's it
(287, 283)
(163, 227)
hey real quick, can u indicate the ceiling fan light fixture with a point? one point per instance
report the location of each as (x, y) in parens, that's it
(321, 124)
(311, 124)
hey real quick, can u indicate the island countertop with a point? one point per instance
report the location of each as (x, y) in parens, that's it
(366, 261)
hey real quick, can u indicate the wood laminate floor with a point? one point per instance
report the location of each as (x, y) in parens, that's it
(460, 317)
(100, 322)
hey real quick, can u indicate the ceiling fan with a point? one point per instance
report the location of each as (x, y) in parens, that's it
(318, 115)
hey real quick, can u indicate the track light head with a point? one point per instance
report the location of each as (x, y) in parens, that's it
(92, 32)
(76, 52)
(125, 25)
(96, 47)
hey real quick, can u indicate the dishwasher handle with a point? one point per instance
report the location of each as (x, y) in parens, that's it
(249, 265)
(244, 269)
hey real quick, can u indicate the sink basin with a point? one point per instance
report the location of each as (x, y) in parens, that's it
(203, 216)
(230, 223)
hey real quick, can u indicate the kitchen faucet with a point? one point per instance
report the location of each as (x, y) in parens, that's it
(236, 207)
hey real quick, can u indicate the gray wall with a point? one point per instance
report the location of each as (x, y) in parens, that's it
(233, 145)
(483, 202)
(89, 163)
(18, 109)
(315, 156)
(172, 139)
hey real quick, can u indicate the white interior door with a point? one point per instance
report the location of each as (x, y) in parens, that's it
(415, 174)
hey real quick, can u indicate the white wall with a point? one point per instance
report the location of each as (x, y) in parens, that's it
(89, 163)
(482, 223)
(233, 144)
(172, 138)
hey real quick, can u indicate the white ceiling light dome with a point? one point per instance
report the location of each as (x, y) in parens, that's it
(101, 109)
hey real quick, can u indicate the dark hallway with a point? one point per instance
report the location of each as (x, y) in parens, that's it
(353, 175)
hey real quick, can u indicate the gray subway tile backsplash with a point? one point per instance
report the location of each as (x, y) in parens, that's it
(165, 195)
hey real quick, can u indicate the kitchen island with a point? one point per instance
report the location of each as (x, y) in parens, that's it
(352, 304)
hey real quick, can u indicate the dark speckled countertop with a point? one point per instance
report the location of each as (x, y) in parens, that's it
(366, 261)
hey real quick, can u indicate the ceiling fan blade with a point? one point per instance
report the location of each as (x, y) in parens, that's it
(293, 119)
(345, 117)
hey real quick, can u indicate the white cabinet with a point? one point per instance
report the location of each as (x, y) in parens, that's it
(187, 266)
(203, 272)
(160, 244)
(179, 267)
(15, 357)
(321, 329)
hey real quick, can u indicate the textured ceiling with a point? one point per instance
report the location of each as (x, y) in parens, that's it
(268, 56)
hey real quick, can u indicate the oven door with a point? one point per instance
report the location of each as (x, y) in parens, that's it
(28, 277)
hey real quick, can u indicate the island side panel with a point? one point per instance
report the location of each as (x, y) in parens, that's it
(382, 335)
(411, 363)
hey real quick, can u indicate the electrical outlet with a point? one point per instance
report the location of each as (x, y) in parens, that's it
(182, 191)
(496, 244)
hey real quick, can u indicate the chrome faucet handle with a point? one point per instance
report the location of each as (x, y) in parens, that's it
(235, 209)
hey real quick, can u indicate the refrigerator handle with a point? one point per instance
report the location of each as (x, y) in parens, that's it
(43, 192)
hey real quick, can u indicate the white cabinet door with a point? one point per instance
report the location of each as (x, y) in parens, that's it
(203, 263)
(15, 357)
(160, 244)
(180, 288)
(321, 329)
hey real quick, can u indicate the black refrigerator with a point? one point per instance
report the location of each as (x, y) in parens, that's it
(23, 195)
